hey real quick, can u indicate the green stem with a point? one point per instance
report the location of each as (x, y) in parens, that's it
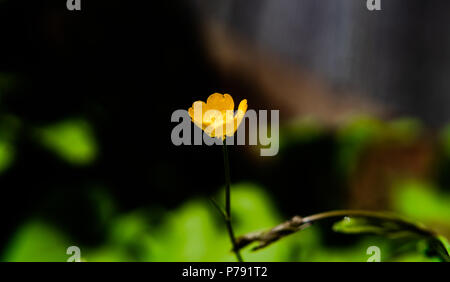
(228, 201)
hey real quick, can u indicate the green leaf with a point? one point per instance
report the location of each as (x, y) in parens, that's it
(421, 201)
(6, 155)
(361, 225)
(72, 140)
(37, 241)
(440, 247)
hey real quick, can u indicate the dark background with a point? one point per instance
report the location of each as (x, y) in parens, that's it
(124, 67)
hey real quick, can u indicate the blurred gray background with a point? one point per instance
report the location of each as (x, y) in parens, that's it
(399, 56)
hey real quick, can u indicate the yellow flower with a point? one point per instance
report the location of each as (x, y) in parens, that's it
(216, 117)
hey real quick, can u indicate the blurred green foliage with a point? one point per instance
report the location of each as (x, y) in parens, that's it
(352, 139)
(8, 131)
(421, 201)
(37, 241)
(360, 132)
(6, 155)
(195, 232)
(445, 138)
(72, 140)
(300, 131)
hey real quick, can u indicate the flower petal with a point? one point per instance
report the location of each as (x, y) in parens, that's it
(242, 109)
(243, 106)
(216, 117)
(197, 117)
(220, 102)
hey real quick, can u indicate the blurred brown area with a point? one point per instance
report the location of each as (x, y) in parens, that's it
(383, 163)
(271, 83)
(340, 56)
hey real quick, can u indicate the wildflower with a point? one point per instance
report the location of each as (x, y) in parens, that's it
(216, 117)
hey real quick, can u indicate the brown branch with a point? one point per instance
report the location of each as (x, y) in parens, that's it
(298, 223)
(266, 238)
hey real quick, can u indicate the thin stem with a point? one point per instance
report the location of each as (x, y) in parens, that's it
(218, 207)
(228, 201)
(226, 163)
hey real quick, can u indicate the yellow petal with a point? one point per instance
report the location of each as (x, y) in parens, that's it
(198, 105)
(220, 102)
(216, 116)
(197, 117)
(243, 106)
(242, 109)
(213, 116)
(229, 127)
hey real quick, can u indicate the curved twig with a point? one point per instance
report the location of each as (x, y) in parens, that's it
(297, 223)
